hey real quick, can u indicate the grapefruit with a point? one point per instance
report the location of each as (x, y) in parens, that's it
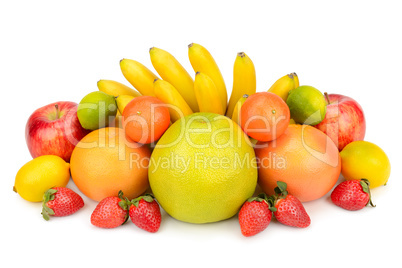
(303, 157)
(203, 168)
(105, 162)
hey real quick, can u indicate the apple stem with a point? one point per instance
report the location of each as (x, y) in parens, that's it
(57, 111)
(327, 98)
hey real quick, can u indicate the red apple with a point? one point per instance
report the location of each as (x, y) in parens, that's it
(54, 130)
(344, 121)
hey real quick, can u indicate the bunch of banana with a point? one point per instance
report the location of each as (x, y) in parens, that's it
(185, 95)
(283, 85)
(244, 81)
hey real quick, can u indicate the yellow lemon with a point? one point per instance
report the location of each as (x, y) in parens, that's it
(203, 168)
(365, 160)
(40, 174)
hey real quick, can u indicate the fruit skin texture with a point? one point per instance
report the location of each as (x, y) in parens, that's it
(363, 159)
(96, 109)
(244, 81)
(290, 211)
(173, 72)
(105, 162)
(203, 169)
(254, 216)
(116, 89)
(307, 105)
(167, 93)
(202, 61)
(145, 119)
(344, 121)
(49, 134)
(139, 76)
(38, 175)
(351, 195)
(283, 85)
(208, 98)
(264, 116)
(122, 101)
(304, 158)
(237, 109)
(111, 212)
(60, 201)
(145, 213)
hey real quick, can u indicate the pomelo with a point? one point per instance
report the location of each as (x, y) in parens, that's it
(203, 168)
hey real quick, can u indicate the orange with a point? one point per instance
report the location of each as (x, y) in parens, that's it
(303, 157)
(105, 162)
(264, 116)
(145, 119)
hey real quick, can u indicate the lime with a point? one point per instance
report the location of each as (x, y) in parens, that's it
(39, 175)
(365, 160)
(307, 105)
(96, 110)
(203, 168)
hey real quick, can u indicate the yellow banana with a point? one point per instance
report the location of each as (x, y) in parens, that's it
(236, 111)
(244, 80)
(173, 72)
(297, 84)
(207, 95)
(122, 101)
(167, 93)
(139, 76)
(115, 88)
(202, 61)
(282, 86)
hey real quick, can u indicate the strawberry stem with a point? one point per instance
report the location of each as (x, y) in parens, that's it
(365, 183)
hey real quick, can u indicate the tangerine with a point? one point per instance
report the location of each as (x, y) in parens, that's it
(145, 119)
(105, 162)
(264, 116)
(303, 157)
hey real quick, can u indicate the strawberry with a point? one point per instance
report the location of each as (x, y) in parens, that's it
(352, 194)
(110, 212)
(288, 209)
(145, 213)
(60, 201)
(255, 215)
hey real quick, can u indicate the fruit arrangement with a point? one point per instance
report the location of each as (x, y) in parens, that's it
(177, 141)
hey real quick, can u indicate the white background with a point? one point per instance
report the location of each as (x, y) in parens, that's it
(57, 52)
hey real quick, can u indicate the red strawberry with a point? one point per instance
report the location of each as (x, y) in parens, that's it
(145, 213)
(289, 209)
(110, 212)
(60, 201)
(255, 215)
(352, 194)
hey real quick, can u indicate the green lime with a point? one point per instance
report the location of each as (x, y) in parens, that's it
(96, 110)
(307, 105)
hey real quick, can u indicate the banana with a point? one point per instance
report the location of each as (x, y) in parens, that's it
(202, 61)
(173, 72)
(139, 76)
(283, 85)
(167, 93)
(122, 101)
(244, 80)
(207, 95)
(236, 111)
(297, 84)
(115, 88)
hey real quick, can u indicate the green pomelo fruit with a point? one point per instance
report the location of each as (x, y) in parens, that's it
(203, 168)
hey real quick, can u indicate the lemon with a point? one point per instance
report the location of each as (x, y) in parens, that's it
(365, 160)
(307, 105)
(40, 174)
(203, 169)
